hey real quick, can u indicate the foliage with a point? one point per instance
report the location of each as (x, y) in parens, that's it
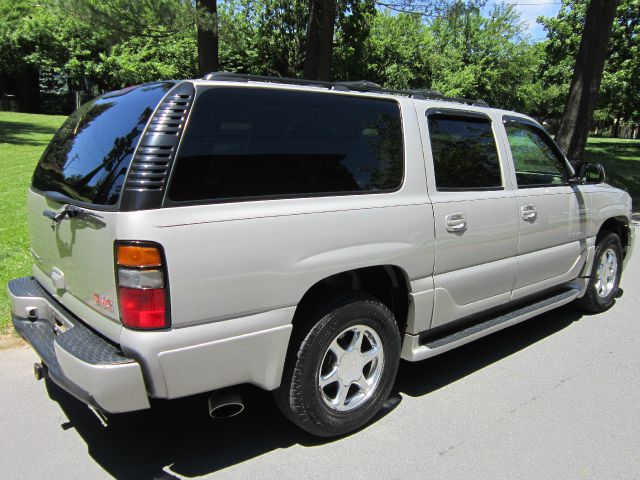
(398, 51)
(125, 19)
(486, 57)
(37, 35)
(456, 47)
(142, 59)
(620, 89)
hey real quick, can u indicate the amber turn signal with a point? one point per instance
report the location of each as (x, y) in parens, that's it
(138, 256)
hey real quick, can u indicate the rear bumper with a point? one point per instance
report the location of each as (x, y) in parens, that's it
(80, 361)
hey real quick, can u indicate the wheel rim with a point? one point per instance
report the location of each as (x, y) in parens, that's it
(606, 273)
(351, 368)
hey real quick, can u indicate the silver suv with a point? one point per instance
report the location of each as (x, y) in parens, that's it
(192, 236)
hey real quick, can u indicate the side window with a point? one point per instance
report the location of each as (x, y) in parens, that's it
(256, 142)
(534, 156)
(465, 156)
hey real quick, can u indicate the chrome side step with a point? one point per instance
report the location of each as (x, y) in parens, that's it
(413, 350)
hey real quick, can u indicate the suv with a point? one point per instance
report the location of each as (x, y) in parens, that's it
(303, 237)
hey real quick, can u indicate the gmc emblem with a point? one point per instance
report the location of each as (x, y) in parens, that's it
(103, 302)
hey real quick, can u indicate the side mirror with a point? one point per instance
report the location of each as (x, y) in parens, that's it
(591, 173)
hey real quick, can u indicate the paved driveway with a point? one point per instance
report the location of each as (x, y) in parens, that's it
(557, 397)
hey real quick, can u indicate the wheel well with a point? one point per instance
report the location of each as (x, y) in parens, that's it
(616, 225)
(387, 283)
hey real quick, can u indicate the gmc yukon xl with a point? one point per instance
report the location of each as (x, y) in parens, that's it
(191, 236)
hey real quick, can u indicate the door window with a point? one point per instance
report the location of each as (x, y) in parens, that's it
(465, 156)
(535, 157)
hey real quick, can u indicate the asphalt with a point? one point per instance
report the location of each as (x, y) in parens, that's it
(557, 397)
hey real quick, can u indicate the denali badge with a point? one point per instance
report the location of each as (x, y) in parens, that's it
(104, 302)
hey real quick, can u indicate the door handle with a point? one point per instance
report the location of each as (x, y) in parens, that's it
(529, 212)
(456, 222)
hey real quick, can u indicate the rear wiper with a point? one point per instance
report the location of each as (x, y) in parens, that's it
(66, 211)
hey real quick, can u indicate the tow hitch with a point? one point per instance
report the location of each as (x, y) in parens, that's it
(40, 371)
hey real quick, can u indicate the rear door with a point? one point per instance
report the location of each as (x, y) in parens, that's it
(85, 165)
(475, 211)
(552, 237)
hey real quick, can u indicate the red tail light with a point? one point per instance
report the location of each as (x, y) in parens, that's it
(142, 287)
(142, 308)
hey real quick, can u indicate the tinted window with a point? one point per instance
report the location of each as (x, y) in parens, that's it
(464, 153)
(264, 142)
(88, 158)
(534, 156)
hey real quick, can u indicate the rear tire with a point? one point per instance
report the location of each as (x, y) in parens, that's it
(605, 275)
(341, 366)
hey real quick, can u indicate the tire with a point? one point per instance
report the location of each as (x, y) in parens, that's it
(605, 275)
(355, 336)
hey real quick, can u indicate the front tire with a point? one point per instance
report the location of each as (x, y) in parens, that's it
(605, 275)
(341, 366)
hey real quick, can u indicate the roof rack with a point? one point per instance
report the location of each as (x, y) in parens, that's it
(355, 86)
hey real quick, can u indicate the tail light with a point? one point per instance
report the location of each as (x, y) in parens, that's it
(143, 291)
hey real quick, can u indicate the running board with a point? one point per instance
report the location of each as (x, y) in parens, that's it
(413, 350)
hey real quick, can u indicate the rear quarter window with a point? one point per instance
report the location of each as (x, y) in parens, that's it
(243, 143)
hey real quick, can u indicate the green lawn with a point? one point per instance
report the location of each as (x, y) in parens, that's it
(621, 161)
(23, 138)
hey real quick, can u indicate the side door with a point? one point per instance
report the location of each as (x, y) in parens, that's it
(475, 211)
(552, 246)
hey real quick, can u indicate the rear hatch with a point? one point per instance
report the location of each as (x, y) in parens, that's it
(83, 170)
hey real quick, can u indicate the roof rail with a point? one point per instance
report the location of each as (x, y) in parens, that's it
(355, 86)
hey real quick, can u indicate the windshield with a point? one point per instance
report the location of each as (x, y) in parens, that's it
(88, 158)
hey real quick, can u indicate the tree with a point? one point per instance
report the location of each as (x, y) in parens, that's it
(208, 38)
(619, 99)
(354, 28)
(585, 84)
(38, 43)
(399, 51)
(319, 43)
(322, 18)
(153, 19)
(485, 56)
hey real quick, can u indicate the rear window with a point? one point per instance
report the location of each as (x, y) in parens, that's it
(247, 143)
(88, 158)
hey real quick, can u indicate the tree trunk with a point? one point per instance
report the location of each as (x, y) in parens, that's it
(615, 131)
(319, 44)
(587, 75)
(208, 41)
(28, 89)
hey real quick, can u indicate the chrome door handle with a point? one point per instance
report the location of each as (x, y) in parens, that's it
(529, 212)
(456, 222)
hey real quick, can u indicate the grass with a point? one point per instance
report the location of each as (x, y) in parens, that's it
(621, 161)
(23, 137)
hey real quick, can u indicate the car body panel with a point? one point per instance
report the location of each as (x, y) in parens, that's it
(79, 251)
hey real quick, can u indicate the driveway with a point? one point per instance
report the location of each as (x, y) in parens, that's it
(557, 397)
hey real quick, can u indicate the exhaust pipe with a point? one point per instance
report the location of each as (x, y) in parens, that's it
(40, 371)
(225, 404)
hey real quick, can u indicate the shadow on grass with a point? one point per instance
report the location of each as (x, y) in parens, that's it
(178, 439)
(621, 161)
(18, 133)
